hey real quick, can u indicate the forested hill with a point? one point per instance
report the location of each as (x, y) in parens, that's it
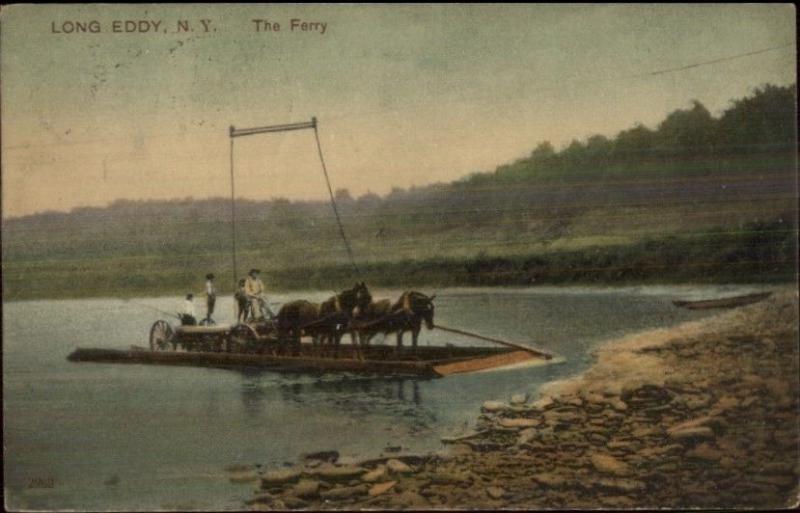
(708, 188)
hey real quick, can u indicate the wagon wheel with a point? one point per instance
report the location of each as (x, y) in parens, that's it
(243, 339)
(161, 335)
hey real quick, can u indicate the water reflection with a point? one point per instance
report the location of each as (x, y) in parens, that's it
(380, 396)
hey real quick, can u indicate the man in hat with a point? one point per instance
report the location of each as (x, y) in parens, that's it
(254, 288)
(211, 297)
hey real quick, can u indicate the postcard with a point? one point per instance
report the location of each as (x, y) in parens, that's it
(263, 257)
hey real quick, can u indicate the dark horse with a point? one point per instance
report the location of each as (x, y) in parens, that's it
(407, 314)
(336, 313)
(325, 323)
(296, 319)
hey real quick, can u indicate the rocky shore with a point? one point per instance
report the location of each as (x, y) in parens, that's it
(704, 414)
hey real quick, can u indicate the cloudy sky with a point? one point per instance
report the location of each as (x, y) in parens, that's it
(405, 95)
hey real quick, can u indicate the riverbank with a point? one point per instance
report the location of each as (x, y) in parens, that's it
(700, 415)
(758, 253)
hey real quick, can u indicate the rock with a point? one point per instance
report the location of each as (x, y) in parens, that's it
(526, 435)
(724, 404)
(460, 449)
(543, 403)
(449, 478)
(608, 464)
(561, 417)
(275, 477)
(779, 481)
(549, 479)
(409, 499)
(597, 439)
(705, 452)
(381, 488)
(779, 468)
(374, 475)
(643, 432)
(322, 456)
(617, 445)
(749, 402)
(618, 502)
(621, 485)
(592, 397)
(518, 399)
(494, 406)
(612, 389)
(331, 473)
(264, 498)
(243, 477)
(495, 492)
(398, 467)
(306, 489)
(715, 423)
(294, 502)
(696, 433)
(519, 423)
(345, 492)
(618, 404)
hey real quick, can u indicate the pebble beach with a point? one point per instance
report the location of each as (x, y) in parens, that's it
(700, 415)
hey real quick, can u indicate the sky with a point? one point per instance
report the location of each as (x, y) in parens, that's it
(404, 94)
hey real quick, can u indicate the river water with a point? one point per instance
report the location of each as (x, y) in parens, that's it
(137, 437)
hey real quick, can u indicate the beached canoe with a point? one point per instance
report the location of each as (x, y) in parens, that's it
(727, 302)
(377, 359)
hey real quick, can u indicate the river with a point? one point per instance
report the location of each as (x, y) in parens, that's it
(137, 437)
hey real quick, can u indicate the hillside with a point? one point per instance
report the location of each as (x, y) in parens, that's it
(697, 198)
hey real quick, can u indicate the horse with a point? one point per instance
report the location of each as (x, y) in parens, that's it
(408, 313)
(370, 321)
(336, 313)
(296, 319)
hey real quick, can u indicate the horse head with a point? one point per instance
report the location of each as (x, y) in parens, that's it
(422, 306)
(363, 296)
(357, 297)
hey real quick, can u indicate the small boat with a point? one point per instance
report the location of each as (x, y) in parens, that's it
(431, 361)
(727, 302)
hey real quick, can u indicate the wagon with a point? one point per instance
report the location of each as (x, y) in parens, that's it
(253, 337)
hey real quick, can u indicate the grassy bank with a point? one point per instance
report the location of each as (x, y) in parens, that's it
(763, 253)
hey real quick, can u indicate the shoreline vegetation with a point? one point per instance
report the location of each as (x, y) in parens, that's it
(698, 198)
(703, 414)
(757, 255)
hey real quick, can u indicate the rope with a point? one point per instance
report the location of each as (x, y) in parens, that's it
(523, 347)
(333, 202)
(233, 221)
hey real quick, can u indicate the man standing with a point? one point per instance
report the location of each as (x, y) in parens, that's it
(211, 298)
(254, 288)
(242, 302)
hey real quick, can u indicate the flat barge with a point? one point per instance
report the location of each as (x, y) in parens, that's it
(431, 361)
